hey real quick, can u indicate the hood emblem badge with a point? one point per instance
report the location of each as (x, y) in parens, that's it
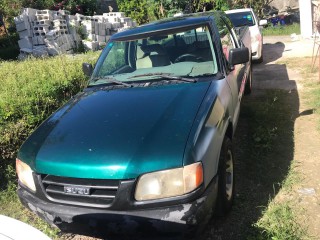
(77, 190)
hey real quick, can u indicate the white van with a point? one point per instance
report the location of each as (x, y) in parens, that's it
(247, 17)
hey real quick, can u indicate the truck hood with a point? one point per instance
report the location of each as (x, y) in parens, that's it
(116, 134)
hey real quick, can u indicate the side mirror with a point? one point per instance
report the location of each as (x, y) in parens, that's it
(238, 56)
(263, 22)
(87, 69)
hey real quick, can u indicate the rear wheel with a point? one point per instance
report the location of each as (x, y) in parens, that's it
(225, 179)
(260, 60)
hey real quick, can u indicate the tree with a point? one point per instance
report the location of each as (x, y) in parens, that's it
(136, 9)
(257, 5)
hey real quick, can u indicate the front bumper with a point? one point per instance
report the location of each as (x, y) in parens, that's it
(182, 217)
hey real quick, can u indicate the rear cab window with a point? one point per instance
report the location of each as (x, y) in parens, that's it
(240, 19)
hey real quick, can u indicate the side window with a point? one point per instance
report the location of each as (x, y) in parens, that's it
(227, 40)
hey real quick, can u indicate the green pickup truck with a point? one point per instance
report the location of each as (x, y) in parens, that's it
(147, 145)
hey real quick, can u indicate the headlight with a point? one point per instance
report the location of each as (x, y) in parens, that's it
(169, 183)
(24, 173)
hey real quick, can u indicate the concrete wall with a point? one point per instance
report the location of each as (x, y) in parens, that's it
(282, 5)
(306, 18)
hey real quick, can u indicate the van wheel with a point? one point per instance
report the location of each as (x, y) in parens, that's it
(260, 60)
(248, 87)
(225, 179)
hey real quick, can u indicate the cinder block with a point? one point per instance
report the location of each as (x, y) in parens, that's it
(59, 22)
(39, 33)
(25, 43)
(100, 38)
(116, 25)
(40, 51)
(42, 28)
(42, 22)
(98, 18)
(108, 25)
(21, 18)
(25, 33)
(88, 26)
(44, 17)
(29, 12)
(52, 35)
(52, 51)
(80, 17)
(63, 28)
(43, 12)
(52, 44)
(73, 22)
(64, 12)
(91, 37)
(96, 27)
(23, 25)
(102, 29)
(72, 30)
(71, 18)
(114, 14)
(63, 32)
(88, 45)
(38, 40)
(26, 50)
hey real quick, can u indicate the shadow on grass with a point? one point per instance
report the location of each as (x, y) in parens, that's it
(264, 145)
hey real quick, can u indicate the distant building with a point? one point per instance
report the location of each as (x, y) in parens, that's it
(283, 5)
(106, 6)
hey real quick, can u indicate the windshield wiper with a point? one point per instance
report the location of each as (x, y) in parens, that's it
(112, 80)
(166, 75)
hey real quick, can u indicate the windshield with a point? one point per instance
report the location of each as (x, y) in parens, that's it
(242, 19)
(188, 53)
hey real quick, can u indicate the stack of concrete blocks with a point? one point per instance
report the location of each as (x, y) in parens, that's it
(45, 32)
(98, 29)
(24, 24)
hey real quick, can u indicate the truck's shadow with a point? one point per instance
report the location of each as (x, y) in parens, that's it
(264, 144)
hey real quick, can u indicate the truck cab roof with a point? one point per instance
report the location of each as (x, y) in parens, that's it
(167, 25)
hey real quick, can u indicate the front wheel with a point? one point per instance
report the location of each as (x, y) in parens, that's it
(225, 178)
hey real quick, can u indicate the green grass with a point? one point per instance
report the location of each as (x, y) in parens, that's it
(29, 92)
(279, 222)
(281, 30)
(270, 163)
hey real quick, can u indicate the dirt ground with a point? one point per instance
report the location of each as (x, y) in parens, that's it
(252, 189)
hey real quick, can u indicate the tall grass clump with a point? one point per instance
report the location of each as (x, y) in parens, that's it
(31, 90)
(279, 222)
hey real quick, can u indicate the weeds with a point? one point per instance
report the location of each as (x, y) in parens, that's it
(279, 222)
(29, 92)
(282, 30)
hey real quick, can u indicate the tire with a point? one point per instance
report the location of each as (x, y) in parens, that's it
(248, 87)
(225, 179)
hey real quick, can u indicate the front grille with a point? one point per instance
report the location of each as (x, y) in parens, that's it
(100, 192)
